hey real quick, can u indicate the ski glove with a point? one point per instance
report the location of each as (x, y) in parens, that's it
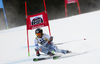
(51, 39)
(49, 42)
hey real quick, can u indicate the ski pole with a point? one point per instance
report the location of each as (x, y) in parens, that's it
(70, 41)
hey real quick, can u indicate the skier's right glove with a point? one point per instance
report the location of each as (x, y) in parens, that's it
(37, 52)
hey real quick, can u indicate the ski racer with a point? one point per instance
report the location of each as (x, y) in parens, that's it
(46, 44)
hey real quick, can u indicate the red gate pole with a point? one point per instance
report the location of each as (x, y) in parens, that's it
(46, 12)
(66, 9)
(45, 6)
(49, 30)
(78, 7)
(27, 29)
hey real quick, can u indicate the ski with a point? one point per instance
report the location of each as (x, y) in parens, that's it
(68, 55)
(45, 58)
(39, 59)
(58, 56)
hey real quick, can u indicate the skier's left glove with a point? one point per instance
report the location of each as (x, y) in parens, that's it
(49, 42)
(51, 39)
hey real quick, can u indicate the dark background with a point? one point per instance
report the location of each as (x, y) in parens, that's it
(15, 10)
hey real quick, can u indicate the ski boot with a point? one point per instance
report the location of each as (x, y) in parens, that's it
(50, 53)
(65, 51)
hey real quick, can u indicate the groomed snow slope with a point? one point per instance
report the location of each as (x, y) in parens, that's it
(13, 42)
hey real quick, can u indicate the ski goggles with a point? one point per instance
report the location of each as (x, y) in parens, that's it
(38, 34)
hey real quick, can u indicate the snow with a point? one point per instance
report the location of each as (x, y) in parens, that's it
(73, 30)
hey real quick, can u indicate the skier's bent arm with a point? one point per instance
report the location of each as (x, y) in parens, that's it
(49, 41)
(48, 38)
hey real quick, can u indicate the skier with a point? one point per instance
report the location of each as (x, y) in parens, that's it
(46, 44)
